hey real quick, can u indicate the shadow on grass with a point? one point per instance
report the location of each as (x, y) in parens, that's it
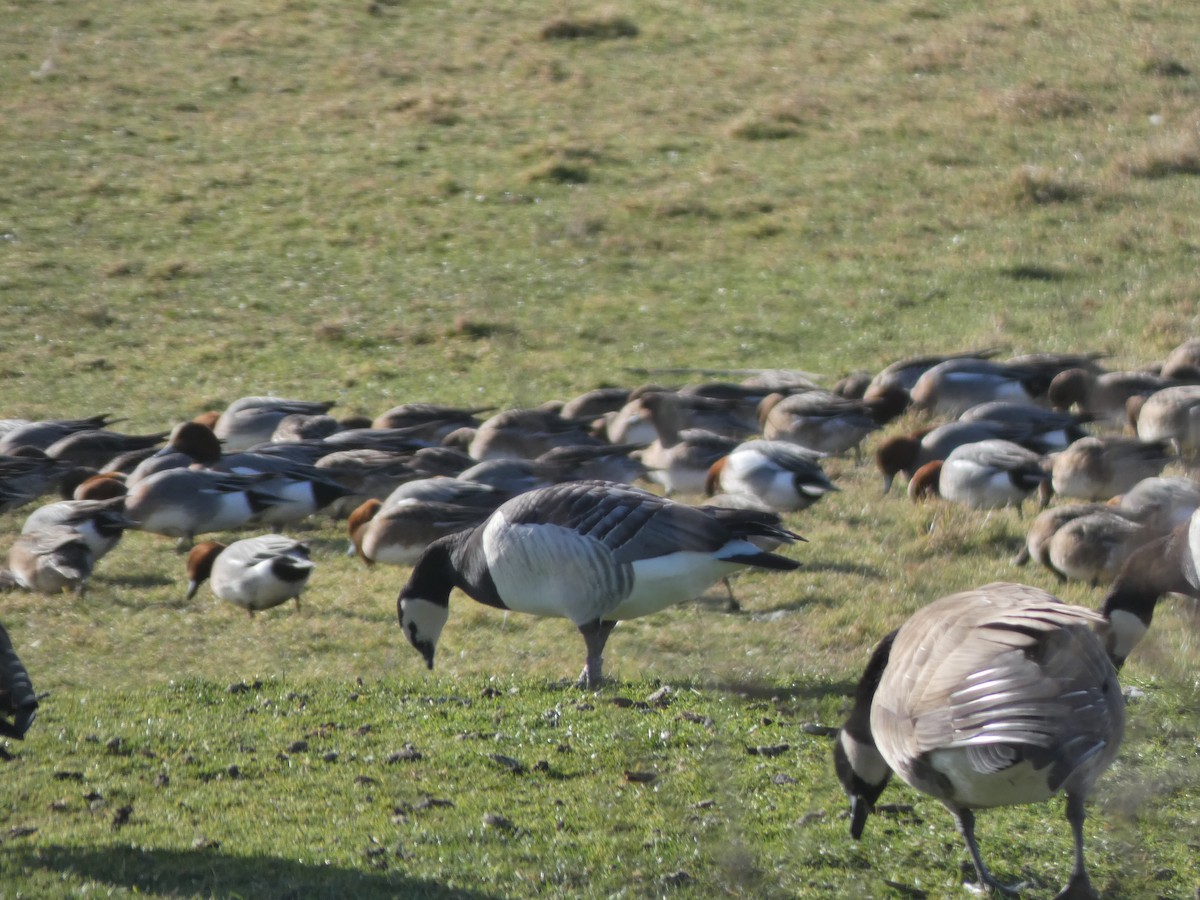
(209, 872)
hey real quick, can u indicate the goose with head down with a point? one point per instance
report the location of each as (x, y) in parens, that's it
(998, 696)
(592, 552)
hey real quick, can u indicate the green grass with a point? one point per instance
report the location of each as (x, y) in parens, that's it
(504, 202)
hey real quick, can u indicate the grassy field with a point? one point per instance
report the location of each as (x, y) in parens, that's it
(506, 203)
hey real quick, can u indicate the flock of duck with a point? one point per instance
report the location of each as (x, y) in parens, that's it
(994, 696)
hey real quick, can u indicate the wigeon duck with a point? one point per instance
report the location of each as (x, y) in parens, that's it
(397, 534)
(512, 476)
(604, 462)
(101, 486)
(635, 422)
(952, 387)
(1099, 468)
(778, 474)
(303, 427)
(1161, 504)
(853, 386)
(590, 552)
(44, 433)
(525, 434)
(595, 404)
(1183, 362)
(252, 420)
(300, 489)
(1104, 396)
(365, 474)
(254, 573)
(998, 696)
(26, 475)
(1165, 565)
(429, 420)
(51, 561)
(905, 453)
(1173, 414)
(1036, 427)
(1043, 528)
(903, 374)
(678, 458)
(1050, 365)
(183, 503)
(96, 448)
(18, 700)
(444, 489)
(824, 422)
(986, 475)
(1094, 547)
(100, 522)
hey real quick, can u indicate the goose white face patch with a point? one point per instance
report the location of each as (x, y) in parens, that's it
(868, 763)
(1125, 632)
(422, 623)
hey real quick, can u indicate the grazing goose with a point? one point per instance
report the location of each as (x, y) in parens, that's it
(1166, 565)
(252, 420)
(255, 573)
(18, 702)
(998, 696)
(1173, 414)
(397, 534)
(589, 551)
(1100, 468)
(778, 474)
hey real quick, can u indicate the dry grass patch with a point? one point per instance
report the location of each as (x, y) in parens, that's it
(1040, 102)
(785, 119)
(604, 25)
(1177, 154)
(1040, 186)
